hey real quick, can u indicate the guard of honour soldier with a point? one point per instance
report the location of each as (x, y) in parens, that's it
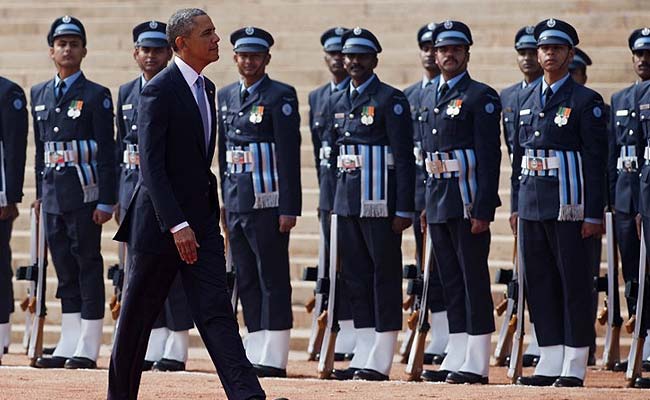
(385, 159)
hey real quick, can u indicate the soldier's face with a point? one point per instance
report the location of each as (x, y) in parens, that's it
(428, 57)
(202, 44)
(527, 61)
(68, 51)
(555, 57)
(252, 65)
(579, 75)
(334, 61)
(452, 60)
(641, 61)
(360, 66)
(152, 60)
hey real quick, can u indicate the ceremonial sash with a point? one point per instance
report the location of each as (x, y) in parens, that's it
(263, 168)
(570, 180)
(3, 177)
(80, 154)
(465, 172)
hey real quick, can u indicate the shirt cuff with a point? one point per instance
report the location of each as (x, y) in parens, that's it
(105, 208)
(404, 214)
(180, 226)
(594, 220)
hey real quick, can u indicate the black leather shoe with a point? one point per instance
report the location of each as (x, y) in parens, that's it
(432, 358)
(435, 376)
(147, 365)
(50, 362)
(367, 374)
(439, 358)
(428, 359)
(48, 350)
(80, 363)
(620, 366)
(466, 377)
(642, 383)
(344, 374)
(568, 381)
(348, 356)
(537, 380)
(528, 360)
(264, 371)
(168, 365)
(339, 356)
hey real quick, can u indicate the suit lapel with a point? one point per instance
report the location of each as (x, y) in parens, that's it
(187, 99)
(209, 87)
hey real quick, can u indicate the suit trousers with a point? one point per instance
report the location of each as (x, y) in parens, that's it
(371, 264)
(175, 314)
(148, 283)
(559, 281)
(74, 242)
(462, 260)
(6, 274)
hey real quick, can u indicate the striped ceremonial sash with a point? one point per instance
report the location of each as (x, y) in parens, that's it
(263, 169)
(3, 178)
(466, 174)
(80, 154)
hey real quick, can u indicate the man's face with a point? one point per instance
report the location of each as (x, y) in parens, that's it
(68, 51)
(555, 57)
(579, 75)
(152, 60)
(360, 66)
(527, 61)
(203, 42)
(428, 57)
(641, 61)
(252, 65)
(452, 60)
(334, 61)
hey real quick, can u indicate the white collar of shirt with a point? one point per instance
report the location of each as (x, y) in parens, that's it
(189, 74)
(143, 81)
(363, 86)
(68, 81)
(426, 80)
(524, 85)
(452, 82)
(252, 88)
(556, 85)
(340, 86)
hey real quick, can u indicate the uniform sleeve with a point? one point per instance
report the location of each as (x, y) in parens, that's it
(14, 138)
(102, 121)
(593, 135)
(400, 135)
(487, 145)
(612, 158)
(286, 131)
(39, 163)
(315, 139)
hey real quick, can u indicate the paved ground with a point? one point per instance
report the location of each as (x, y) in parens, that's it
(17, 381)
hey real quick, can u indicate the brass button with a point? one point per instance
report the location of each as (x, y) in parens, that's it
(538, 133)
(434, 131)
(56, 129)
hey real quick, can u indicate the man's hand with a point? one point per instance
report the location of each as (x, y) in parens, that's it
(423, 221)
(36, 205)
(287, 222)
(9, 213)
(186, 245)
(479, 226)
(401, 223)
(100, 217)
(589, 229)
(513, 222)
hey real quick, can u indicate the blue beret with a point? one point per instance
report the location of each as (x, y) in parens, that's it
(451, 33)
(251, 40)
(150, 34)
(66, 26)
(555, 31)
(640, 39)
(360, 41)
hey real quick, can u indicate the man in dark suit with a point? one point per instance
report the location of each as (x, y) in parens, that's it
(172, 222)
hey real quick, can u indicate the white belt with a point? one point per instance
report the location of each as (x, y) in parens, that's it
(417, 152)
(349, 161)
(239, 157)
(325, 152)
(540, 163)
(627, 163)
(442, 166)
(646, 153)
(59, 157)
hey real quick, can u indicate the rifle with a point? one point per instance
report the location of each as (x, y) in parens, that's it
(517, 353)
(326, 360)
(413, 275)
(415, 363)
(28, 305)
(611, 312)
(116, 273)
(36, 273)
(504, 343)
(318, 304)
(636, 349)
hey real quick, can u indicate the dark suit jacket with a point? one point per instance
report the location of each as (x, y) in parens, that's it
(176, 183)
(13, 135)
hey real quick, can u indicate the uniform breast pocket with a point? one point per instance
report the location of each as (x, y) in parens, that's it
(644, 117)
(451, 122)
(128, 115)
(525, 126)
(621, 123)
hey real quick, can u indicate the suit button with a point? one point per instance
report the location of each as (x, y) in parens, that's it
(436, 110)
(434, 131)
(57, 110)
(134, 127)
(420, 118)
(56, 129)
(631, 132)
(124, 117)
(351, 116)
(633, 114)
(541, 115)
(237, 131)
(316, 123)
(336, 125)
(347, 134)
(537, 133)
(506, 119)
(240, 113)
(618, 123)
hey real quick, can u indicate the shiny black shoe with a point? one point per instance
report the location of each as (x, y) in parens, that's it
(645, 366)
(642, 383)
(344, 374)
(537, 380)
(265, 371)
(168, 365)
(435, 376)
(49, 350)
(528, 360)
(568, 381)
(471, 378)
(439, 358)
(432, 358)
(147, 365)
(339, 356)
(348, 356)
(80, 363)
(50, 362)
(367, 374)
(620, 366)
(428, 359)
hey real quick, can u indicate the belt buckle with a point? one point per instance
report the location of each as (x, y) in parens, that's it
(349, 163)
(237, 157)
(325, 152)
(56, 157)
(629, 165)
(437, 166)
(134, 158)
(535, 163)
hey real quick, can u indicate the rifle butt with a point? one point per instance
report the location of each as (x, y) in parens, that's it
(38, 348)
(406, 346)
(638, 361)
(415, 363)
(326, 364)
(613, 349)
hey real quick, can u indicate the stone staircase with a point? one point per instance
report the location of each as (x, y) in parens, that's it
(603, 27)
